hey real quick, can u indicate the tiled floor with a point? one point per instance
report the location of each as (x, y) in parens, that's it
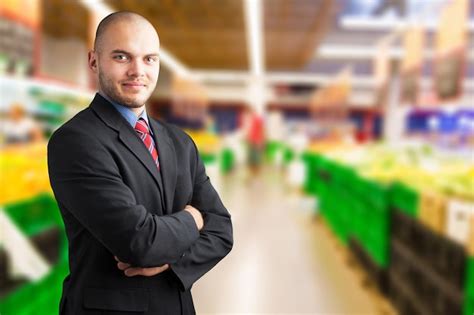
(284, 261)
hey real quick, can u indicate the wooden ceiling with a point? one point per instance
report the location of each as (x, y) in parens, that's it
(211, 34)
(293, 30)
(64, 19)
(201, 34)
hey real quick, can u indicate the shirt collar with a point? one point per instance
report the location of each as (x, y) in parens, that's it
(128, 114)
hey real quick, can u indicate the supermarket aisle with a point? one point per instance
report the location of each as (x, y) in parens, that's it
(283, 261)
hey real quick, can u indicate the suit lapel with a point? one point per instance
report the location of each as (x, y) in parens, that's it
(167, 158)
(127, 135)
(131, 140)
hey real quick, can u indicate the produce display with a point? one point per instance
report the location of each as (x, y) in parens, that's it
(419, 167)
(23, 172)
(207, 143)
(407, 214)
(212, 150)
(38, 219)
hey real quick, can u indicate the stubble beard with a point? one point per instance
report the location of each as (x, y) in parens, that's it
(108, 87)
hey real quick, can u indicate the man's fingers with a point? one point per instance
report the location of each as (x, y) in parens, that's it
(137, 271)
(147, 272)
(122, 265)
(154, 271)
(130, 272)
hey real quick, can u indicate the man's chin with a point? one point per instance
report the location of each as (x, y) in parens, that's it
(134, 102)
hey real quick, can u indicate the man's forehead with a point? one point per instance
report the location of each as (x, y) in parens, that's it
(130, 31)
(141, 26)
(131, 37)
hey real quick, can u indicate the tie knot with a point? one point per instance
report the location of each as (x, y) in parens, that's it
(141, 126)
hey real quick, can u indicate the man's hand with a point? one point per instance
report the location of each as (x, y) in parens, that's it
(130, 271)
(196, 215)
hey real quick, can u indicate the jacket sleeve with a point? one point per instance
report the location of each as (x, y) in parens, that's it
(215, 240)
(86, 182)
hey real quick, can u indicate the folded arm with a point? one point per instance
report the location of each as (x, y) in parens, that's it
(215, 240)
(86, 181)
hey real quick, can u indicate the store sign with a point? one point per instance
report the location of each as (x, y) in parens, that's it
(413, 42)
(380, 9)
(451, 42)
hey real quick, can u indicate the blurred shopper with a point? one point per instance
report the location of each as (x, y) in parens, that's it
(143, 221)
(256, 142)
(18, 128)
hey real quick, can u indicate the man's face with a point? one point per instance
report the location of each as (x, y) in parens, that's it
(127, 62)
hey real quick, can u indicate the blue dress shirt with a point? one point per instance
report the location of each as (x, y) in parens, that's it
(128, 114)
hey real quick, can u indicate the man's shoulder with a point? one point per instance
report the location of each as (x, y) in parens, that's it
(80, 118)
(82, 123)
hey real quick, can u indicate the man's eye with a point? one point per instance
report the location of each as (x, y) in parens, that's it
(120, 57)
(151, 59)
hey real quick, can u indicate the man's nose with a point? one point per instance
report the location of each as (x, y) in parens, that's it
(136, 69)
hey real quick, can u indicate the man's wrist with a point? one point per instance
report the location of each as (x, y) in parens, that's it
(188, 219)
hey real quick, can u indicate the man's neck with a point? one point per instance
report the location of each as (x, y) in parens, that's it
(136, 110)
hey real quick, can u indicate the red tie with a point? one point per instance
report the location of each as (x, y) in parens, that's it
(144, 133)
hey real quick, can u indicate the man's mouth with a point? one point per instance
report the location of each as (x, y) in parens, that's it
(134, 85)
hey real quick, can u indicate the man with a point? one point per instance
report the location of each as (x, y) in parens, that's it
(142, 218)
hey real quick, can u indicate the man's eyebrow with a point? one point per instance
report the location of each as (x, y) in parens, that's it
(119, 51)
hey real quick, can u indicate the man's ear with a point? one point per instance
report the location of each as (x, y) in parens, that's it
(92, 61)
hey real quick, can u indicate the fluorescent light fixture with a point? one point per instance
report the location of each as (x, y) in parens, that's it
(101, 10)
(253, 23)
(372, 23)
(375, 23)
(367, 52)
(353, 52)
(288, 77)
(275, 77)
(291, 77)
(221, 76)
(174, 64)
(98, 7)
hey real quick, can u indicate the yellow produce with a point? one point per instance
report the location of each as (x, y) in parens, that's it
(421, 168)
(23, 172)
(207, 143)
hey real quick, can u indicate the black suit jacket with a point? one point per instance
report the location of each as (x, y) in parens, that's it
(115, 202)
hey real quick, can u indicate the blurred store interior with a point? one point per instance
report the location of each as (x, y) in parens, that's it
(339, 134)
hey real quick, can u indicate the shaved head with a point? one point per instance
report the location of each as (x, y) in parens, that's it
(126, 58)
(114, 18)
